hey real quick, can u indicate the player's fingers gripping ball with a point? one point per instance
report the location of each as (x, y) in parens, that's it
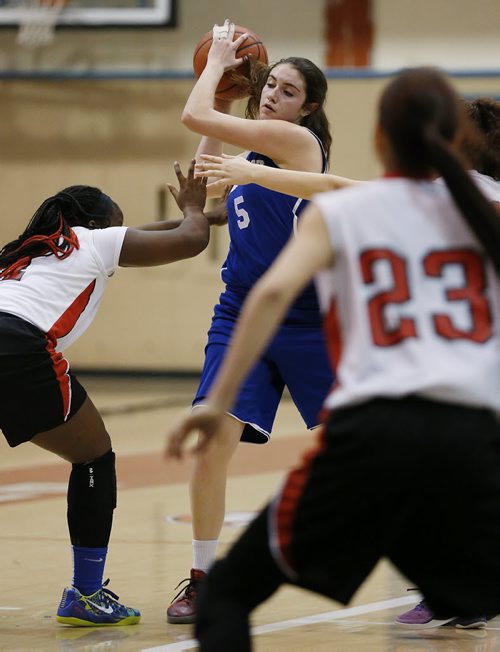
(229, 87)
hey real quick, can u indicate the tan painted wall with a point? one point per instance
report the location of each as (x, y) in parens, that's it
(123, 137)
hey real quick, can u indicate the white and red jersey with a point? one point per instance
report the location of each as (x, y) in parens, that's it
(487, 185)
(61, 297)
(412, 303)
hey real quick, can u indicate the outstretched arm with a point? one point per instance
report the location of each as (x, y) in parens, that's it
(261, 315)
(146, 248)
(217, 216)
(230, 170)
(163, 225)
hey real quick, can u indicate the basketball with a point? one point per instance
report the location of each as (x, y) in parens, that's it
(228, 88)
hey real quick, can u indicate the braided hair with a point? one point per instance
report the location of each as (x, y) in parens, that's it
(50, 232)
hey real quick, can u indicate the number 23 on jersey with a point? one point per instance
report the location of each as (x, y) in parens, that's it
(471, 291)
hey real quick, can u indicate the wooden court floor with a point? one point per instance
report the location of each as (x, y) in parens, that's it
(150, 549)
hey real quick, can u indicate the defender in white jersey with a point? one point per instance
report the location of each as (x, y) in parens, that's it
(408, 274)
(480, 145)
(421, 279)
(51, 282)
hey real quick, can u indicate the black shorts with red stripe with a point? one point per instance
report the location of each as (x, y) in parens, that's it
(412, 480)
(37, 390)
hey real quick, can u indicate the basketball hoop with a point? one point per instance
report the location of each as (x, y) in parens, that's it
(38, 19)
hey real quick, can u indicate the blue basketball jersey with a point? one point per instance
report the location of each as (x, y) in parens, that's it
(260, 223)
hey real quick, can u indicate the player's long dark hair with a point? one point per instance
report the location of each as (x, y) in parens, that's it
(482, 148)
(420, 113)
(49, 231)
(316, 89)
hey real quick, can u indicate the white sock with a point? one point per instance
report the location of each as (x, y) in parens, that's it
(204, 554)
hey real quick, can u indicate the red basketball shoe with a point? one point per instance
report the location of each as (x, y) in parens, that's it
(182, 609)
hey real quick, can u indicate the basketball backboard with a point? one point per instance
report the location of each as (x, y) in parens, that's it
(100, 13)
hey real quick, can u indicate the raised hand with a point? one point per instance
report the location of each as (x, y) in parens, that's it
(223, 48)
(228, 170)
(192, 191)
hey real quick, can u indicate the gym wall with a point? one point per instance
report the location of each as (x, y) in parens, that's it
(66, 117)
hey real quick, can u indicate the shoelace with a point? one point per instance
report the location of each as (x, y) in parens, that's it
(191, 586)
(107, 593)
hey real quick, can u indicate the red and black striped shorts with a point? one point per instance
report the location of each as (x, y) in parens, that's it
(37, 390)
(411, 479)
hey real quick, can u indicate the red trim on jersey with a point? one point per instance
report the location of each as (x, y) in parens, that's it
(395, 174)
(60, 328)
(333, 335)
(286, 506)
(71, 315)
(61, 367)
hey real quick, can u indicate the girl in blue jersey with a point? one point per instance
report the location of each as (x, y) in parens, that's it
(292, 132)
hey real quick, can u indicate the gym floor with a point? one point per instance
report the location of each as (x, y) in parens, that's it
(150, 549)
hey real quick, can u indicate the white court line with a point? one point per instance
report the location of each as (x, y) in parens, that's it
(338, 614)
(10, 608)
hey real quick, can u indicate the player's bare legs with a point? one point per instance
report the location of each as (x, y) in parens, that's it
(208, 503)
(208, 481)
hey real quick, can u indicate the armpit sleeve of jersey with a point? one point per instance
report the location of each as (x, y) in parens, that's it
(108, 245)
(329, 207)
(488, 186)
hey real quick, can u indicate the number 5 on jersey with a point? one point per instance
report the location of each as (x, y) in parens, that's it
(243, 217)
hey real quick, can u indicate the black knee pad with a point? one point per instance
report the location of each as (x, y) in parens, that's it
(91, 501)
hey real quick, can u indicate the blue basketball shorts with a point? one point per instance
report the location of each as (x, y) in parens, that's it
(296, 359)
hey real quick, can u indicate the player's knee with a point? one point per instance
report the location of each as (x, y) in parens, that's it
(219, 453)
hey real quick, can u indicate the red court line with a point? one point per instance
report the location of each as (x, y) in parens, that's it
(151, 469)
